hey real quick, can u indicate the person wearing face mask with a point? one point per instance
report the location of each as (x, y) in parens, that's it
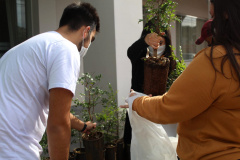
(143, 47)
(84, 50)
(205, 98)
(160, 50)
(38, 81)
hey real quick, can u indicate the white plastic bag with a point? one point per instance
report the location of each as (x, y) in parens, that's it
(149, 140)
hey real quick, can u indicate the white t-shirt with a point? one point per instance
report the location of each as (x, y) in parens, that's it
(27, 72)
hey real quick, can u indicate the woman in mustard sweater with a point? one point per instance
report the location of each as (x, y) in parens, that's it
(205, 99)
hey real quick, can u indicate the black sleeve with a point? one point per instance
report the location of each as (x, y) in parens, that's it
(136, 50)
(172, 66)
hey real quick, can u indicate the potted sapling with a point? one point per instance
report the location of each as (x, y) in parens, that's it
(93, 142)
(159, 13)
(109, 121)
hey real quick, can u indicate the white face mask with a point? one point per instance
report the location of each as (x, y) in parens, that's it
(160, 50)
(84, 50)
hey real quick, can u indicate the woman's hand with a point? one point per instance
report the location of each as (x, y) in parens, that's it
(153, 40)
(132, 93)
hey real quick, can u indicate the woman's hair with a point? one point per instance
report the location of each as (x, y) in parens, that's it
(226, 31)
(167, 37)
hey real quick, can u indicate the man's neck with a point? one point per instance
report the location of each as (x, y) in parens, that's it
(69, 35)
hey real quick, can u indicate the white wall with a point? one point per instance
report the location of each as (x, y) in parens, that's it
(197, 8)
(127, 31)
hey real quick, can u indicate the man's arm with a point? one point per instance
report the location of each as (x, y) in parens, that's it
(59, 125)
(79, 125)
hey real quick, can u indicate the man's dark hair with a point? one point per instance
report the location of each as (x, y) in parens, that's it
(226, 24)
(78, 14)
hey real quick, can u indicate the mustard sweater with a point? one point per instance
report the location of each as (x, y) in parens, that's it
(207, 106)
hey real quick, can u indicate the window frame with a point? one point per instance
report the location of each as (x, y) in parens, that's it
(32, 23)
(179, 38)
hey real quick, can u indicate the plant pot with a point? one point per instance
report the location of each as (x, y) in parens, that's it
(71, 156)
(111, 153)
(120, 149)
(80, 154)
(155, 77)
(94, 146)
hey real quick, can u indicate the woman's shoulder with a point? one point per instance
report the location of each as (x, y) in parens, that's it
(217, 51)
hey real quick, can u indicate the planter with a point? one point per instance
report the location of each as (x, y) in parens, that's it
(111, 149)
(155, 75)
(120, 149)
(71, 156)
(80, 154)
(94, 145)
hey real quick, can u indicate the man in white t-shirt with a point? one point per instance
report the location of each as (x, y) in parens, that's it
(38, 81)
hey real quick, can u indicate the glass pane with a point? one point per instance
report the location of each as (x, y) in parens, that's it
(4, 32)
(13, 26)
(188, 31)
(21, 21)
(188, 37)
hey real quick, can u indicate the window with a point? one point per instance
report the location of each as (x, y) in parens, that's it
(4, 36)
(17, 26)
(187, 32)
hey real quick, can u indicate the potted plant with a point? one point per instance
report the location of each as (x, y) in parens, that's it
(71, 156)
(78, 153)
(109, 121)
(160, 13)
(93, 142)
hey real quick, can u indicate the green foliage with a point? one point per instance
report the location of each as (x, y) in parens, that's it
(109, 118)
(92, 96)
(161, 14)
(180, 67)
(44, 145)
